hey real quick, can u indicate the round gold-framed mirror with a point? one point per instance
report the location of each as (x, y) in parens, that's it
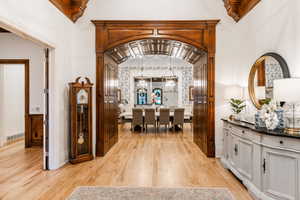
(266, 69)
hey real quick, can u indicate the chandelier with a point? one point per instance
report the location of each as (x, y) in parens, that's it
(170, 81)
(142, 83)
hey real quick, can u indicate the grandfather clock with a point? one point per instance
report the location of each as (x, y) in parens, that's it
(81, 120)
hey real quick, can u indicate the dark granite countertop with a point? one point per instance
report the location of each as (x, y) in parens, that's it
(276, 132)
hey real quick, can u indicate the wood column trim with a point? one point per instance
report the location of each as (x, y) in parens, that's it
(100, 136)
(199, 33)
(211, 91)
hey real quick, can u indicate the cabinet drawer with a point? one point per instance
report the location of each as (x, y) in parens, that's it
(281, 142)
(225, 125)
(244, 133)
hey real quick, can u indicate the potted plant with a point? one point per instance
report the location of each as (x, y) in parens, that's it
(237, 106)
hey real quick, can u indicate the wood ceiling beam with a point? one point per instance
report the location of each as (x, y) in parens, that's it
(73, 9)
(2, 30)
(237, 9)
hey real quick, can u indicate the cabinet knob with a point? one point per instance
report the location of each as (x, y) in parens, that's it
(243, 131)
(281, 142)
(236, 150)
(264, 166)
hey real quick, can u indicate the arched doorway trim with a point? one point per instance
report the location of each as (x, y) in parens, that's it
(199, 33)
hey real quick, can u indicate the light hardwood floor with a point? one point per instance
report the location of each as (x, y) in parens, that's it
(150, 160)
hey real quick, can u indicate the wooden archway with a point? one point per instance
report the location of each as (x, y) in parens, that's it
(200, 34)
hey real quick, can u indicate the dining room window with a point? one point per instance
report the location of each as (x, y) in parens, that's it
(141, 96)
(158, 95)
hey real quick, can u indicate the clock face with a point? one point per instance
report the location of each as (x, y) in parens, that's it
(82, 97)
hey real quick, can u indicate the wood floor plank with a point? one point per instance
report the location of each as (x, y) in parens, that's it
(163, 159)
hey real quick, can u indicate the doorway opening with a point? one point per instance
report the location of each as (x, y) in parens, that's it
(24, 99)
(157, 75)
(116, 41)
(14, 81)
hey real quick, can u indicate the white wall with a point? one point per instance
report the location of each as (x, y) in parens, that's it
(273, 26)
(14, 47)
(41, 20)
(12, 106)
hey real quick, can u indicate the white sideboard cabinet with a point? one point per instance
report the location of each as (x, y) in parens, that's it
(266, 162)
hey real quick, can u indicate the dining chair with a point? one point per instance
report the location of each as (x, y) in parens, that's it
(164, 117)
(150, 118)
(137, 118)
(172, 108)
(178, 119)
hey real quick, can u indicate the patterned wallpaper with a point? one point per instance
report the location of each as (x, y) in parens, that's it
(273, 71)
(155, 66)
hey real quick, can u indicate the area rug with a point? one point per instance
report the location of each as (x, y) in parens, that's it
(140, 193)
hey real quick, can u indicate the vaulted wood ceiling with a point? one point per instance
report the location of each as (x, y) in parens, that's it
(74, 9)
(172, 48)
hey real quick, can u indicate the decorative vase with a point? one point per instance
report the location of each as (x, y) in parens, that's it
(280, 118)
(235, 117)
(259, 123)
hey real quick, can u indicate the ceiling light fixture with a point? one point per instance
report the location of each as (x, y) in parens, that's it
(170, 80)
(142, 83)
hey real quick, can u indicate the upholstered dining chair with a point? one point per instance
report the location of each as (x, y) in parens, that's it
(137, 118)
(172, 108)
(178, 119)
(150, 118)
(164, 117)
